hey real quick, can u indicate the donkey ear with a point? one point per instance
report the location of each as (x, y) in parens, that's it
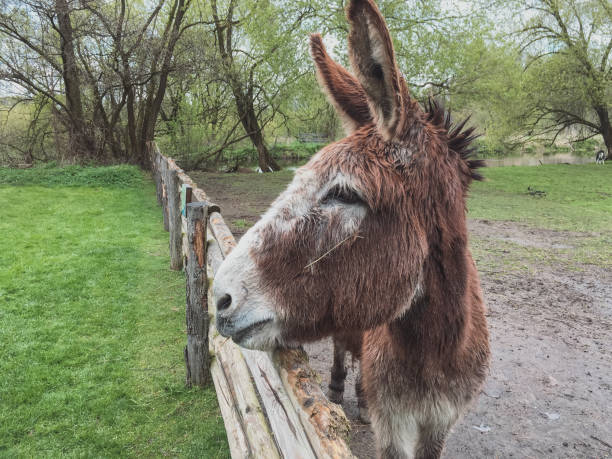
(343, 90)
(373, 61)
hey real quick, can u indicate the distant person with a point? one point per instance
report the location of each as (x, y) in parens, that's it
(600, 157)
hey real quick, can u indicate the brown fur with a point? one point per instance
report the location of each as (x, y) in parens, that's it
(405, 279)
(343, 90)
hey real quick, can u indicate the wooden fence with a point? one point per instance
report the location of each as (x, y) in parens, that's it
(272, 404)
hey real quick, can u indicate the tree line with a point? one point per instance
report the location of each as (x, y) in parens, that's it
(94, 80)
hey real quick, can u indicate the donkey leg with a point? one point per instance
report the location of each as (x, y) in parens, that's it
(411, 426)
(338, 372)
(402, 436)
(396, 432)
(362, 405)
(431, 442)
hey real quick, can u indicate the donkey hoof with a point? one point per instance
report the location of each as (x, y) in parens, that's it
(364, 416)
(335, 396)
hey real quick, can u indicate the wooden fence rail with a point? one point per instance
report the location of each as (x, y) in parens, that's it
(272, 404)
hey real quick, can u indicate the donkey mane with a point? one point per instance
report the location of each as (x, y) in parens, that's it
(458, 137)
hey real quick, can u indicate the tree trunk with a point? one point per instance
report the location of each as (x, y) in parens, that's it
(608, 142)
(246, 112)
(605, 128)
(81, 143)
(264, 159)
(242, 97)
(141, 127)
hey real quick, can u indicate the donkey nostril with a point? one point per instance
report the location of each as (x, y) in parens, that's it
(224, 302)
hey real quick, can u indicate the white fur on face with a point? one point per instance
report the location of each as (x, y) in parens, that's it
(252, 319)
(249, 307)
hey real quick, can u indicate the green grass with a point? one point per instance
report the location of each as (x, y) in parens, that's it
(242, 223)
(578, 199)
(92, 323)
(124, 176)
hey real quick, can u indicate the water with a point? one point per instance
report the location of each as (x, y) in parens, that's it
(559, 158)
(538, 160)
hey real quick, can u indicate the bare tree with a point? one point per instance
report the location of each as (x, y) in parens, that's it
(104, 67)
(243, 86)
(570, 70)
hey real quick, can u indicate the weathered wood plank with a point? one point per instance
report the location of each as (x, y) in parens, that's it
(324, 422)
(185, 249)
(236, 437)
(284, 421)
(239, 383)
(238, 445)
(214, 257)
(196, 311)
(198, 194)
(222, 233)
(245, 398)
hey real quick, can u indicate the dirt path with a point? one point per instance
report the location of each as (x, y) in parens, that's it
(549, 392)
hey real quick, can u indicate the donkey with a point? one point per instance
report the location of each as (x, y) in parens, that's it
(371, 237)
(600, 157)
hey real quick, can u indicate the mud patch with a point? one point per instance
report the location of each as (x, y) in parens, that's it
(549, 386)
(524, 235)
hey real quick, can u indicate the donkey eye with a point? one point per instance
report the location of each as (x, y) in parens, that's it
(342, 195)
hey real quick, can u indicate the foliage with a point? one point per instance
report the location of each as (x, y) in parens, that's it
(294, 153)
(92, 326)
(487, 149)
(229, 76)
(25, 129)
(252, 52)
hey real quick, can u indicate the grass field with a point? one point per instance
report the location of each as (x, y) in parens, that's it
(577, 199)
(92, 322)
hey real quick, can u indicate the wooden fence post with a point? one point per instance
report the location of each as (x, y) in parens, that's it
(186, 198)
(156, 160)
(163, 179)
(197, 359)
(174, 219)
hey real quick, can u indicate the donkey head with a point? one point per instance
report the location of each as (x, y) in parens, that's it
(346, 245)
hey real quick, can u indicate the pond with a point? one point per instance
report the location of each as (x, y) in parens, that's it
(528, 160)
(538, 160)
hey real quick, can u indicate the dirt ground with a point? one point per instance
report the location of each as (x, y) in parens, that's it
(549, 391)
